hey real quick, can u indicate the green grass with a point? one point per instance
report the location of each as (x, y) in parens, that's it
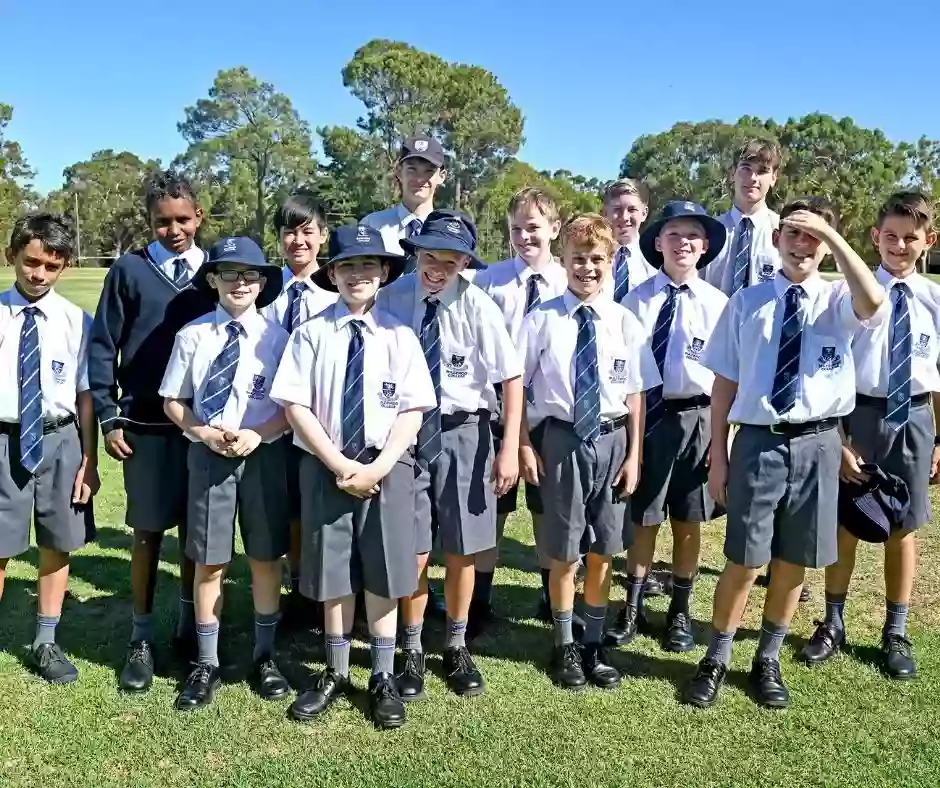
(847, 727)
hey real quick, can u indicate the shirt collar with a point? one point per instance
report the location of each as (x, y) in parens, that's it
(661, 280)
(759, 216)
(524, 271)
(247, 320)
(445, 297)
(811, 286)
(599, 305)
(289, 278)
(45, 305)
(194, 256)
(343, 316)
(888, 280)
(405, 216)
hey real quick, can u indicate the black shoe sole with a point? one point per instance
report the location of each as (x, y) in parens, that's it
(606, 686)
(675, 648)
(814, 662)
(898, 676)
(772, 705)
(569, 687)
(272, 696)
(470, 693)
(414, 698)
(700, 704)
(388, 726)
(60, 681)
(208, 701)
(610, 640)
(136, 690)
(297, 716)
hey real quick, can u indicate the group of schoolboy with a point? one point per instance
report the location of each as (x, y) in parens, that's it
(354, 416)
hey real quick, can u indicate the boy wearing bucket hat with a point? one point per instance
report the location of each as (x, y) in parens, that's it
(892, 425)
(354, 384)
(678, 312)
(784, 372)
(468, 351)
(217, 390)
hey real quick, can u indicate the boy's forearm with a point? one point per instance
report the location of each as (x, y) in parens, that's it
(635, 419)
(88, 428)
(312, 433)
(935, 401)
(513, 405)
(400, 439)
(183, 417)
(274, 427)
(723, 394)
(867, 294)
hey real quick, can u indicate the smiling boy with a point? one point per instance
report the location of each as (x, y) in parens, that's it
(626, 206)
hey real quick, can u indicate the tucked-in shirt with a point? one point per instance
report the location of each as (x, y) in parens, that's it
(697, 313)
(395, 376)
(637, 266)
(199, 343)
(64, 330)
(165, 260)
(312, 301)
(476, 350)
(871, 348)
(392, 223)
(765, 259)
(744, 345)
(625, 363)
(507, 283)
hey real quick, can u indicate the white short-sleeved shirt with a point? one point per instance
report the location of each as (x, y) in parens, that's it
(625, 363)
(697, 313)
(637, 266)
(392, 223)
(164, 259)
(870, 347)
(765, 259)
(313, 372)
(313, 300)
(64, 329)
(199, 343)
(744, 345)
(476, 350)
(507, 283)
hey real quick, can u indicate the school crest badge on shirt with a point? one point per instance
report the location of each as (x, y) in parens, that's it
(456, 365)
(921, 348)
(694, 351)
(257, 387)
(58, 371)
(389, 396)
(618, 371)
(766, 272)
(829, 360)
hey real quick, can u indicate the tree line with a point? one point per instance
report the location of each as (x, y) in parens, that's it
(246, 147)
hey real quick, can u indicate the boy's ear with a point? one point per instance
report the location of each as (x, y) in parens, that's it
(875, 236)
(11, 258)
(383, 277)
(776, 239)
(556, 229)
(331, 272)
(931, 238)
(657, 245)
(199, 216)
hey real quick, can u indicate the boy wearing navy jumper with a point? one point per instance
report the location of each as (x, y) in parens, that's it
(587, 364)
(784, 373)
(145, 300)
(354, 383)
(217, 391)
(48, 464)
(469, 352)
(892, 425)
(678, 312)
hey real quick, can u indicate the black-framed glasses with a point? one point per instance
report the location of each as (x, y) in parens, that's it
(248, 277)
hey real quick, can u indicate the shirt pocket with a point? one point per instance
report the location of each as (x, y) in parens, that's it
(256, 382)
(765, 267)
(923, 343)
(457, 361)
(615, 364)
(828, 357)
(383, 382)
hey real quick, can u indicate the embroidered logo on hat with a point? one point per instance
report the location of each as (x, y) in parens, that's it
(454, 227)
(230, 245)
(421, 145)
(362, 235)
(691, 207)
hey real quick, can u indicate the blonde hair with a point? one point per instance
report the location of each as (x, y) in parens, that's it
(588, 229)
(534, 197)
(626, 186)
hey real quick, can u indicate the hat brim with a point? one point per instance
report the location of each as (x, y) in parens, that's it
(861, 516)
(715, 232)
(273, 281)
(395, 262)
(430, 159)
(439, 243)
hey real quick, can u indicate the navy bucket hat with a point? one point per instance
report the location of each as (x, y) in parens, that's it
(873, 510)
(447, 231)
(239, 249)
(357, 240)
(681, 209)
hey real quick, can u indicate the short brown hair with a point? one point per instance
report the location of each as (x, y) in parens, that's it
(818, 205)
(912, 205)
(760, 150)
(534, 197)
(588, 229)
(626, 186)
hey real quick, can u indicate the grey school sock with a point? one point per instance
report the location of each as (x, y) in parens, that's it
(143, 627)
(187, 617)
(207, 639)
(45, 630)
(594, 619)
(895, 619)
(835, 611)
(265, 630)
(681, 594)
(719, 648)
(771, 639)
(412, 638)
(562, 621)
(383, 655)
(337, 654)
(456, 634)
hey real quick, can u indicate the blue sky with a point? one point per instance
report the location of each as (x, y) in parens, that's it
(589, 77)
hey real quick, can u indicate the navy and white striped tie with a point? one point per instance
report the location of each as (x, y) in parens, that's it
(587, 395)
(413, 228)
(180, 272)
(660, 344)
(222, 374)
(533, 298)
(621, 274)
(354, 417)
(742, 256)
(429, 436)
(788, 355)
(30, 392)
(295, 295)
(899, 360)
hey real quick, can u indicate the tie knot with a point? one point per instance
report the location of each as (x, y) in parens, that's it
(901, 290)
(298, 287)
(356, 327)
(32, 311)
(746, 223)
(795, 293)
(584, 314)
(234, 329)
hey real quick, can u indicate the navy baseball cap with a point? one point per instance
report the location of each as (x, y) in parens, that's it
(679, 209)
(447, 230)
(239, 249)
(873, 510)
(358, 240)
(424, 147)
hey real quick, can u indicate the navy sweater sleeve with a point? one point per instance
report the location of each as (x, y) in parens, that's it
(106, 333)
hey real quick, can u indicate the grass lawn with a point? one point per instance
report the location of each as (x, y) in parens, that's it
(847, 726)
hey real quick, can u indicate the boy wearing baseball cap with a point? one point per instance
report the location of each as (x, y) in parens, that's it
(217, 391)
(419, 173)
(354, 384)
(468, 351)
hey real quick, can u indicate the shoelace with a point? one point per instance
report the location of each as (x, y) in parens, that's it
(681, 621)
(573, 653)
(140, 652)
(384, 690)
(52, 655)
(770, 670)
(899, 644)
(412, 660)
(709, 669)
(823, 632)
(201, 674)
(464, 661)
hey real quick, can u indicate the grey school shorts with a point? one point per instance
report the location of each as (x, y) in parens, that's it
(254, 488)
(155, 478)
(674, 475)
(45, 498)
(783, 498)
(906, 452)
(352, 545)
(583, 511)
(455, 502)
(508, 503)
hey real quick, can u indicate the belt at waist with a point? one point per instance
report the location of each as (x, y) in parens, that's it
(790, 430)
(451, 420)
(607, 427)
(48, 425)
(688, 403)
(865, 401)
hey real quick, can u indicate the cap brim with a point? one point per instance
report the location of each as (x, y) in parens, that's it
(396, 267)
(273, 281)
(714, 230)
(437, 161)
(443, 244)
